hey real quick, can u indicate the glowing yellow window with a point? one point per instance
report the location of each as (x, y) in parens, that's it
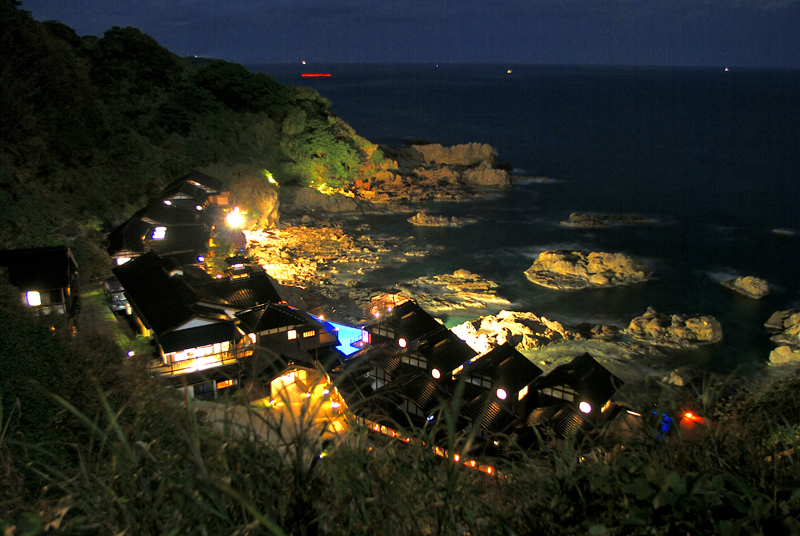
(291, 335)
(307, 334)
(522, 393)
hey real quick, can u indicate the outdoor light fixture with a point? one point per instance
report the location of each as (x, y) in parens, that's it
(33, 298)
(159, 233)
(199, 207)
(167, 202)
(436, 374)
(401, 342)
(235, 218)
(585, 407)
(501, 394)
(200, 258)
(131, 353)
(430, 418)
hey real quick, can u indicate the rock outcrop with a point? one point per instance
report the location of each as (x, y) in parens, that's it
(749, 286)
(310, 200)
(524, 331)
(423, 219)
(571, 270)
(450, 292)
(593, 221)
(431, 173)
(675, 330)
(784, 328)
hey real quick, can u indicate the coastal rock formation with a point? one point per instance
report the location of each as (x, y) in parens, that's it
(424, 219)
(466, 154)
(785, 327)
(525, 331)
(570, 270)
(431, 173)
(674, 330)
(784, 355)
(457, 291)
(749, 286)
(593, 221)
(310, 200)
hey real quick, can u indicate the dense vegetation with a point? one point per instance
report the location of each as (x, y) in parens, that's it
(90, 127)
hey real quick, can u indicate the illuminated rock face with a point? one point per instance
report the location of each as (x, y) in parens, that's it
(423, 219)
(749, 286)
(572, 270)
(467, 154)
(675, 330)
(785, 329)
(524, 331)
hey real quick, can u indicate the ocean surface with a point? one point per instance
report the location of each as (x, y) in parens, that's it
(712, 157)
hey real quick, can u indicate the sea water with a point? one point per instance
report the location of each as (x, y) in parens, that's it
(710, 156)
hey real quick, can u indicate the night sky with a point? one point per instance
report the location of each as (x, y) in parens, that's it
(734, 33)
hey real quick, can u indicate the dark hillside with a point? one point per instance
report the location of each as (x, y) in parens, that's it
(90, 127)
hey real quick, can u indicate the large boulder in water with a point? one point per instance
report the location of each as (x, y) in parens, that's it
(675, 330)
(466, 154)
(571, 270)
(749, 286)
(524, 331)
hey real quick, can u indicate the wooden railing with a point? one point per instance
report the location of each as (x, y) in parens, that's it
(200, 363)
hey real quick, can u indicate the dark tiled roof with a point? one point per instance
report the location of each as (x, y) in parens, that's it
(129, 237)
(210, 184)
(157, 213)
(507, 367)
(175, 341)
(272, 316)
(257, 289)
(487, 413)
(184, 190)
(586, 376)
(445, 351)
(422, 390)
(39, 268)
(162, 302)
(410, 321)
(385, 355)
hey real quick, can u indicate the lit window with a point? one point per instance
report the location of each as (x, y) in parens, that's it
(501, 394)
(33, 298)
(122, 260)
(307, 334)
(159, 233)
(522, 393)
(224, 383)
(291, 335)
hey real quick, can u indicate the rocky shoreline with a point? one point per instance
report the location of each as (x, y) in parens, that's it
(311, 254)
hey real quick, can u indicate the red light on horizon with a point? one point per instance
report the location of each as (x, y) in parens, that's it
(308, 75)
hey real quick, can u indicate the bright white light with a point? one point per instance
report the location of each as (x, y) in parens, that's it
(430, 417)
(33, 298)
(131, 353)
(436, 374)
(201, 259)
(167, 202)
(501, 394)
(122, 260)
(159, 233)
(585, 407)
(401, 342)
(235, 218)
(199, 207)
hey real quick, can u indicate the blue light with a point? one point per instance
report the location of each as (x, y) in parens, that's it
(345, 334)
(430, 417)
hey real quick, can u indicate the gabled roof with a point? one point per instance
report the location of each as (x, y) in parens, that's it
(508, 368)
(386, 355)
(176, 341)
(39, 268)
(211, 185)
(258, 289)
(584, 374)
(421, 389)
(162, 302)
(410, 321)
(485, 411)
(445, 351)
(272, 316)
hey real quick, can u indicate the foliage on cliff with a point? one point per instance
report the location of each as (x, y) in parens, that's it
(89, 127)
